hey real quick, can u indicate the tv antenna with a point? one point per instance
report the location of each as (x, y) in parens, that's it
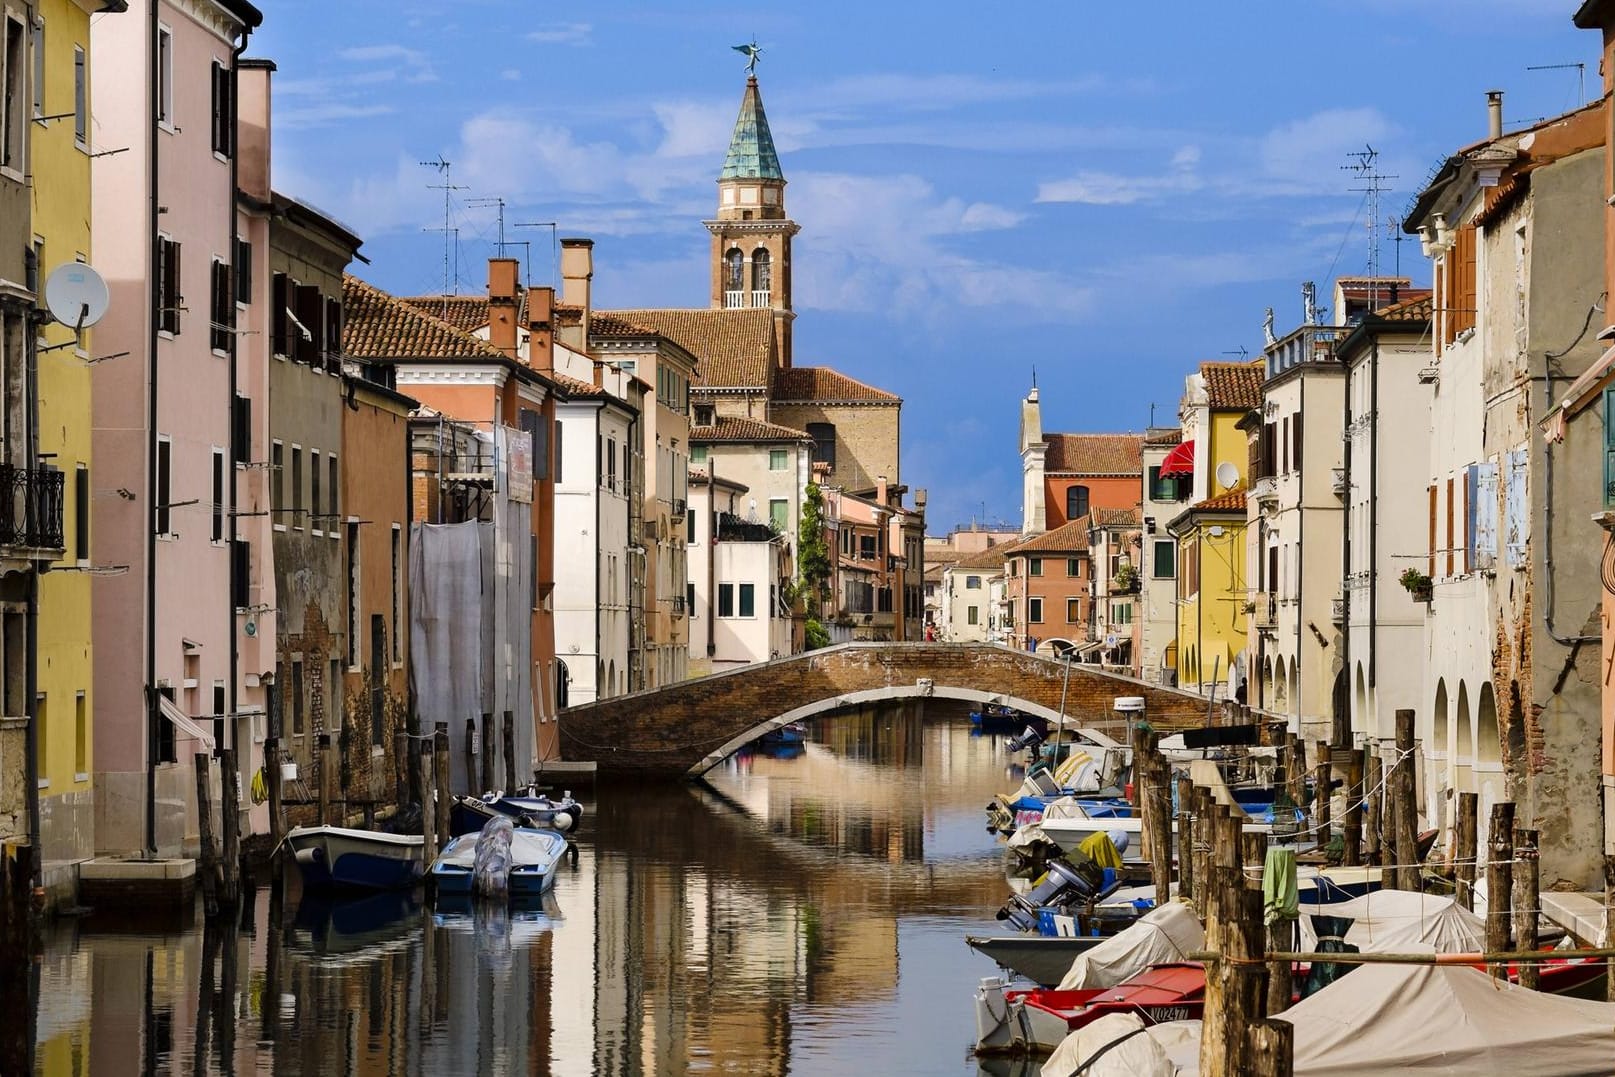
(500, 203)
(1241, 351)
(451, 235)
(1363, 166)
(1581, 77)
(555, 267)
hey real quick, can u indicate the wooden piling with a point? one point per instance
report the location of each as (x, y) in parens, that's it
(1499, 883)
(1252, 851)
(489, 745)
(1609, 926)
(1353, 830)
(323, 746)
(1323, 782)
(1408, 875)
(208, 866)
(1374, 813)
(1296, 767)
(440, 761)
(1282, 938)
(1465, 856)
(508, 746)
(1272, 1048)
(1203, 838)
(272, 760)
(230, 823)
(471, 776)
(1235, 983)
(1186, 880)
(428, 784)
(1527, 902)
(401, 769)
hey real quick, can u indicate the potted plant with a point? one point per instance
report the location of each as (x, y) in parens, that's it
(1126, 577)
(1418, 584)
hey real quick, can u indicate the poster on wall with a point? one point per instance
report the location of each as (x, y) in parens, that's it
(518, 462)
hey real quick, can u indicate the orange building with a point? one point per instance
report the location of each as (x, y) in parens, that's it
(1048, 582)
(1067, 476)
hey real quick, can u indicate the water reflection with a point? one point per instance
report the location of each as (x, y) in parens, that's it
(802, 914)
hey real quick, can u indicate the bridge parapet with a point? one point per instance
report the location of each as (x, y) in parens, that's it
(686, 728)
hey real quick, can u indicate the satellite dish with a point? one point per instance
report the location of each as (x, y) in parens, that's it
(76, 295)
(1227, 475)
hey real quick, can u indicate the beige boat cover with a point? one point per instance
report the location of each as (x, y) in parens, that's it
(1137, 1055)
(1401, 921)
(1169, 933)
(1436, 1020)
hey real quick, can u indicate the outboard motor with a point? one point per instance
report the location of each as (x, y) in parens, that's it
(1072, 881)
(1029, 738)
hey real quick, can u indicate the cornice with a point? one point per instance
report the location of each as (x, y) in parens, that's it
(457, 374)
(778, 224)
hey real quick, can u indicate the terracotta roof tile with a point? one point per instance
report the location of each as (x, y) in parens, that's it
(576, 388)
(735, 348)
(1227, 501)
(991, 558)
(1419, 308)
(1163, 437)
(1065, 539)
(823, 385)
(376, 325)
(1103, 517)
(1094, 454)
(731, 428)
(1233, 386)
(467, 313)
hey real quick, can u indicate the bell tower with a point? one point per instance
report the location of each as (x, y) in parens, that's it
(751, 236)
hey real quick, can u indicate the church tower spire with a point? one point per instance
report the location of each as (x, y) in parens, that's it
(751, 236)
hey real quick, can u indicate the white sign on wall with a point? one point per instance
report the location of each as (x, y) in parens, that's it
(518, 462)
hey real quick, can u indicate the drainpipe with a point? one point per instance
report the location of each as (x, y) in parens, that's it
(31, 615)
(153, 715)
(1373, 513)
(1345, 552)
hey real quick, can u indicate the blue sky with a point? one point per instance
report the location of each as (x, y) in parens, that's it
(1109, 193)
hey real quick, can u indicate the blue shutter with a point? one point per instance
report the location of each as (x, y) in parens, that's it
(1485, 506)
(1471, 515)
(1515, 507)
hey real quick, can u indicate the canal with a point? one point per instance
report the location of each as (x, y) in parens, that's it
(803, 913)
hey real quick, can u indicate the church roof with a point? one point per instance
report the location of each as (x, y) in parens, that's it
(821, 385)
(751, 147)
(1094, 454)
(735, 347)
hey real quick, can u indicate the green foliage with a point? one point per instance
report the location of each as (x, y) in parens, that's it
(815, 635)
(812, 553)
(1414, 580)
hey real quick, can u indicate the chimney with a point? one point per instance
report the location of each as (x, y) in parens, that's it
(540, 329)
(502, 276)
(880, 489)
(577, 270)
(1494, 113)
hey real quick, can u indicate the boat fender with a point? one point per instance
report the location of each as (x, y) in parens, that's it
(312, 855)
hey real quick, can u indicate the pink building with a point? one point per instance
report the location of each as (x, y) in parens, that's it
(165, 219)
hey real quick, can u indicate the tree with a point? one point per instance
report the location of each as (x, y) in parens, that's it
(812, 554)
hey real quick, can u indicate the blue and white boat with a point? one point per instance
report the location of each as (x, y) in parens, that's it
(339, 858)
(534, 856)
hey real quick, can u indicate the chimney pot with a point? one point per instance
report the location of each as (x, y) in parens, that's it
(502, 276)
(1494, 113)
(577, 271)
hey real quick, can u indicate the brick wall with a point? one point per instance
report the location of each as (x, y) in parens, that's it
(866, 438)
(667, 732)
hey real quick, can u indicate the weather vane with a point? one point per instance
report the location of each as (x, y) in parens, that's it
(751, 52)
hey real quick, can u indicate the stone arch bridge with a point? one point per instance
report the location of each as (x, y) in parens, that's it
(685, 729)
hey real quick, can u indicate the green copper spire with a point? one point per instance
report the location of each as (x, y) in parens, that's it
(751, 147)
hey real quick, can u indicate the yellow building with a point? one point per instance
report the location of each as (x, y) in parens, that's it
(62, 139)
(1213, 598)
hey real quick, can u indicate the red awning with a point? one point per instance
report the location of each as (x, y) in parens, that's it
(1180, 461)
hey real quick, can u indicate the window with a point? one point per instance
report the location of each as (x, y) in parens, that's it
(611, 463)
(223, 111)
(1034, 566)
(726, 600)
(308, 310)
(1076, 502)
(277, 504)
(779, 514)
(866, 547)
(777, 460)
(221, 310)
(81, 96)
(748, 600)
(398, 587)
(297, 487)
(167, 750)
(218, 495)
(39, 66)
(220, 712)
(734, 270)
(378, 689)
(1073, 567)
(81, 737)
(165, 76)
(824, 443)
(698, 454)
(332, 501)
(689, 528)
(165, 471)
(1121, 613)
(314, 521)
(241, 430)
(689, 599)
(169, 299)
(353, 595)
(1073, 611)
(280, 298)
(243, 271)
(297, 697)
(81, 514)
(761, 271)
(972, 615)
(1034, 611)
(13, 124)
(972, 583)
(1165, 559)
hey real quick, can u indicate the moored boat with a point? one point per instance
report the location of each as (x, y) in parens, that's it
(469, 814)
(535, 853)
(341, 858)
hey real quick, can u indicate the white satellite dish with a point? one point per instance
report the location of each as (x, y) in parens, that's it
(76, 295)
(1227, 475)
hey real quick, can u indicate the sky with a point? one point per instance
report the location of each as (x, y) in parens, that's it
(1098, 195)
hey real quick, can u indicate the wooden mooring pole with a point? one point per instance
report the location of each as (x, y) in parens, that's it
(1236, 994)
(1408, 875)
(1186, 824)
(1323, 783)
(1374, 815)
(230, 823)
(1272, 1048)
(1466, 855)
(1527, 902)
(508, 746)
(440, 764)
(323, 741)
(1609, 926)
(1353, 831)
(1499, 883)
(488, 751)
(470, 759)
(208, 868)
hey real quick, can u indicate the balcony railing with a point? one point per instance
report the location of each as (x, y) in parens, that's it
(678, 605)
(678, 508)
(31, 508)
(1337, 609)
(1266, 612)
(759, 297)
(734, 299)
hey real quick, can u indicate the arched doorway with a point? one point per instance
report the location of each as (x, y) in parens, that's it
(1464, 737)
(1361, 721)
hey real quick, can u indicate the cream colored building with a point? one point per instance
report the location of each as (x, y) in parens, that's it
(966, 601)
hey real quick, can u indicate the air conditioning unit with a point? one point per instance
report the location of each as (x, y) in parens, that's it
(653, 529)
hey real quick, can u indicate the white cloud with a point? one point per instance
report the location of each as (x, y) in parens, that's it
(566, 33)
(510, 74)
(412, 64)
(324, 114)
(1112, 189)
(1305, 155)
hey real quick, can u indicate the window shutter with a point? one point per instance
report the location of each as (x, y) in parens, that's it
(1431, 571)
(1515, 506)
(1485, 513)
(1297, 432)
(280, 299)
(1450, 543)
(241, 430)
(243, 271)
(1471, 492)
(240, 572)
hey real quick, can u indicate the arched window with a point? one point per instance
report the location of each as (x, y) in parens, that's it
(824, 443)
(1076, 502)
(762, 271)
(734, 270)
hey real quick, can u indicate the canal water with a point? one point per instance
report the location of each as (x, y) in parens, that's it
(802, 913)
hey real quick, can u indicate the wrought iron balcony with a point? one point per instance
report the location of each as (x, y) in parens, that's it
(31, 507)
(1266, 610)
(677, 512)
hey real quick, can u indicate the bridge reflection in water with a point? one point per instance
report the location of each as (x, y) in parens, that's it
(800, 915)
